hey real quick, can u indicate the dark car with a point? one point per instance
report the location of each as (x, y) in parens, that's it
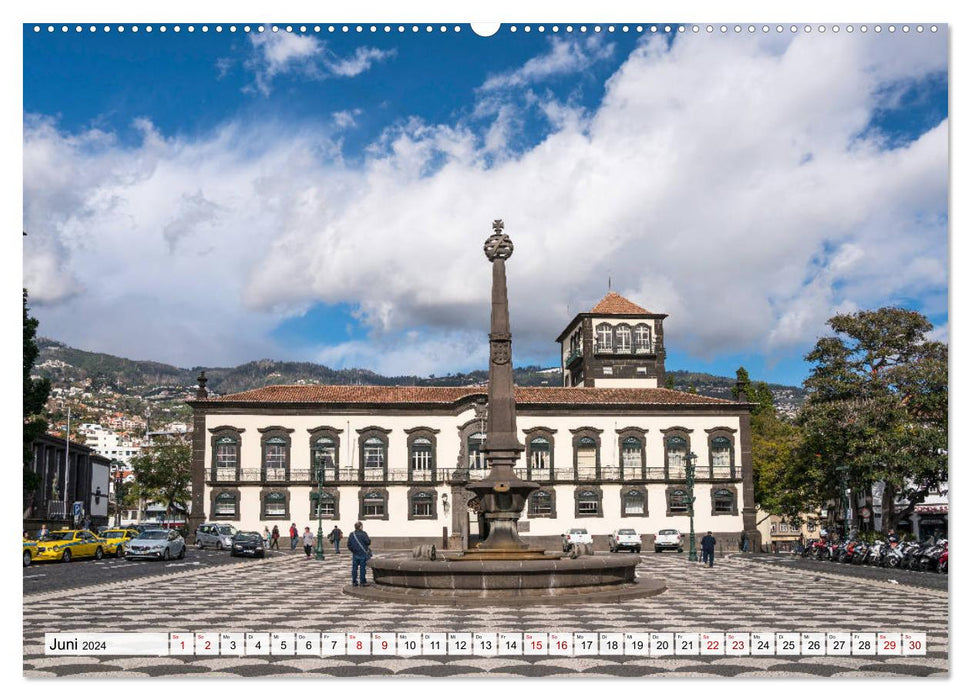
(247, 544)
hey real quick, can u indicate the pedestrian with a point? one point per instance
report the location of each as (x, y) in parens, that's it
(266, 537)
(308, 541)
(293, 536)
(745, 542)
(87, 522)
(275, 539)
(43, 532)
(335, 537)
(360, 545)
(708, 550)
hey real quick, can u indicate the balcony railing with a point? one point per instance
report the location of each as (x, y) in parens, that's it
(357, 475)
(573, 356)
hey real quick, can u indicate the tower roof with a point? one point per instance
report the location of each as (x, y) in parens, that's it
(614, 303)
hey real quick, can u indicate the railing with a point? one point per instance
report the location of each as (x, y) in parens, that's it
(56, 509)
(356, 475)
(574, 354)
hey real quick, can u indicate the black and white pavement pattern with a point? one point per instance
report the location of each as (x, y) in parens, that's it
(288, 593)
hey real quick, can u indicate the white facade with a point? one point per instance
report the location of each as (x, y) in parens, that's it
(108, 443)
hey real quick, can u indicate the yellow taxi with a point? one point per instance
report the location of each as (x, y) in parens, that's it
(30, 551)
(65, 545)
(116, 538)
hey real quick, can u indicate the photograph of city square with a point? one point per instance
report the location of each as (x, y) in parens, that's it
(515, 351)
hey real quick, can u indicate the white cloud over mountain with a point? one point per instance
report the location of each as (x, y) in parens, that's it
(730, 182)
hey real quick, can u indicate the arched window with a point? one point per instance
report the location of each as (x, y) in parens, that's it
(421, 458)
(374, 505)
(677, 502)
(374, 453)
(275, 458)
(631, 457)
(224, 506)
(586, 453)
(275, 505)
(539, 454)
(588, 502)
(423, 504)
(325, 508)
(722, 502)
(541, 505)
(324, 456)
(633, 502)
(227, 458)
(476, 455)
(642, 338)
(623, 338)
(605, 338)
(721, 452)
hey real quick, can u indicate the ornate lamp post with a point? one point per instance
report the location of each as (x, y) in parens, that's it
(319, 555)
(689, 476)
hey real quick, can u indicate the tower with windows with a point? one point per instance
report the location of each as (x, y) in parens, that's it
(617, 344)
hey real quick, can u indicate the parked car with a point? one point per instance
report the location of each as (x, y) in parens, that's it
(247, 544)
(668, 539)
(576, 535)
(624, 538)
(116, 538)
(30, 551)
(156, 544)
(218, 535)
(65, 545)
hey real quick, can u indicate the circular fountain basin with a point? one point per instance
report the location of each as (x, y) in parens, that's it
(523, 582)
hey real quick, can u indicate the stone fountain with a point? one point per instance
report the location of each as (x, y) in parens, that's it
(502, 568)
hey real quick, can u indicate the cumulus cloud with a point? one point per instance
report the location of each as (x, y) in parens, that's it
(731, 182)
(279, 53)
(565, 56)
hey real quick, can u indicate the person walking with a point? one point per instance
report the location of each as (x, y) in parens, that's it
(293, 536)
(708, 550)
(360, 545)
(266, 537)
(275, 539)
(335, 537)
(308, 542)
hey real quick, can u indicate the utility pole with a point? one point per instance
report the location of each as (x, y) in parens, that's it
(67, 468)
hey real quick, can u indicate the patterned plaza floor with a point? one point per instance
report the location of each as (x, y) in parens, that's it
(290, 593)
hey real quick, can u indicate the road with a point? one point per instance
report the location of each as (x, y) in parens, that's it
(43, 577)
(903, 577)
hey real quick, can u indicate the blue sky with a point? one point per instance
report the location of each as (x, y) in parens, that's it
(213, 198)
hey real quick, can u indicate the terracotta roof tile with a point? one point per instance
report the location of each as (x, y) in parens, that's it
(614, 303)
(329, 394)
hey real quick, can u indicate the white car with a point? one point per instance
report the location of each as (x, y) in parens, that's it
(576, 535)
(156, 544)
(624, 538)
(668, 539)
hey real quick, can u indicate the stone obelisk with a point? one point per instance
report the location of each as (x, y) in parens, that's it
(502, 495)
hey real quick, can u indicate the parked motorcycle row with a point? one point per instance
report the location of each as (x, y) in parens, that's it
(891, 554)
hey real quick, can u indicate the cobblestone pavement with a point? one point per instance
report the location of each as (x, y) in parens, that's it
(739, 594)
(903, 577)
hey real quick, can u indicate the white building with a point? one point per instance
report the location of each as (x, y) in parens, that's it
(608, 450)
(108, 443)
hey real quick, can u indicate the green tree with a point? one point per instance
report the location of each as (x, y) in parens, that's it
(163, 473)
(877, 403)
(36, 392)
(781, 484)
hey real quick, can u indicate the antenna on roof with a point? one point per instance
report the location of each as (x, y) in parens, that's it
(608, 281)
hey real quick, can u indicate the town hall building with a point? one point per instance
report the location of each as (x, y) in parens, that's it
(609, 450)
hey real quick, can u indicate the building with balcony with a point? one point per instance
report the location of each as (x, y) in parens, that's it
(398, 458)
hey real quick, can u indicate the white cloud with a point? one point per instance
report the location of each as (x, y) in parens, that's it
(345, 119)
(564, 56)
(723, 180)
(279, 53)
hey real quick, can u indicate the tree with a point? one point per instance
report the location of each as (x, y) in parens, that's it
(877, 404)
(781, 486)
(163, 473)
(36, 392)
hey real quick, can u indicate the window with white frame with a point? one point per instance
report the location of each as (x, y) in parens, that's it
(227, 458)
(375, 505)
(623, 338)
(586, 454)
(642, 338)
(588, 502)
(634, 502)
(275, 505)
(721, 452)
(275, 458)
(677, 450)
(475, 444)
(225, 505)
(540, 504)
(631, 454)
(605, 337)
(423, 505)
(678, 501)
(421, 457)
(324, 454)
(323, 507)
(723, 501)
(539, 454)
(374, 453)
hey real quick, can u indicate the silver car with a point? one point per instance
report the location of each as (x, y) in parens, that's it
(218, 535)
(156, 544)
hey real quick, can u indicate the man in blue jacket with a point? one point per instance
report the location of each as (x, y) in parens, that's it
(708, 550)
(360, 545)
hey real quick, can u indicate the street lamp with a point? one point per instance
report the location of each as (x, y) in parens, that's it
(319, 556)
(689, 475)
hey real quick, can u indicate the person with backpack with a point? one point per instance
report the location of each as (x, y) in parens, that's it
(275, 539)
(335, 538)
(360, 545)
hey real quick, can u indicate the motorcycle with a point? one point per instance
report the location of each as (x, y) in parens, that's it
(942, 561)
(860, 553)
